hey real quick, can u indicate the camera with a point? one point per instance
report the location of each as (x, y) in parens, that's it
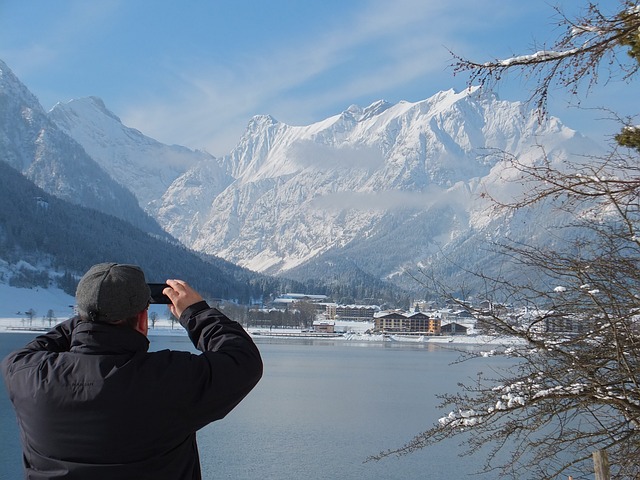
(156, 293)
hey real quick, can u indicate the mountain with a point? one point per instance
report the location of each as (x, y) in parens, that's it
(377, 190)
(370, 196)
(143, 165)
(31, 143)
(51, 151)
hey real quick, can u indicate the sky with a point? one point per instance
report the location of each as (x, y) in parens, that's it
(194, 73)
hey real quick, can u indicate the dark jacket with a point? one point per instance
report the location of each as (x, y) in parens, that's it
(93, 404)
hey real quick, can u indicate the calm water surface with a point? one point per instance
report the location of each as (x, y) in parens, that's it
(321, 409)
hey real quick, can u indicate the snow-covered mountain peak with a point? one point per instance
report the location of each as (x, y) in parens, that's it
(45, 154)
(11, 86)
(86, 107)
(259, 122)
(303, 191)
(375, 108)
(450, 101)
(447, 127)
(358, 114)
(379, 188)
(353, 111)
(142, 164)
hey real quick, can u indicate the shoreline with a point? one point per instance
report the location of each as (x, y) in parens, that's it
(165, 328)
(60, 306)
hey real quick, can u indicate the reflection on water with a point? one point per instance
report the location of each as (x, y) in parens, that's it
(322, 407)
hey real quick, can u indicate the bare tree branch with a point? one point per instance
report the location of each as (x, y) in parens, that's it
(590, 43)
(574, 386)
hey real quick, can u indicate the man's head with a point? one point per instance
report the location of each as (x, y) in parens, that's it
(112, 293)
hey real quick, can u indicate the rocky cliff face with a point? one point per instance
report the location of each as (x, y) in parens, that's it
(380, 190)
(387, 187)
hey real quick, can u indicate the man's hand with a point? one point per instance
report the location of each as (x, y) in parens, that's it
(181, 295)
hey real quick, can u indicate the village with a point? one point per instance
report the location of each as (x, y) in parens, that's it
(315, 315)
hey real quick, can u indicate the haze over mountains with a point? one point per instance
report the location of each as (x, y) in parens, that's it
(368, 193)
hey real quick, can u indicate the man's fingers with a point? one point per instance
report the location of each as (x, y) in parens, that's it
(181, 295)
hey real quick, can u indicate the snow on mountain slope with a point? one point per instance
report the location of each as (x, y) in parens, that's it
(187, 203)
(143, 165)
(33, 145)
(381, 188)
(390, 184)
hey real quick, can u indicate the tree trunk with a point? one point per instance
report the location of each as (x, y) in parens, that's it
(601, 465)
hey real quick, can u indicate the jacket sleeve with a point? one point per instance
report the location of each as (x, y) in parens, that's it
(235, 364)
(58, 339)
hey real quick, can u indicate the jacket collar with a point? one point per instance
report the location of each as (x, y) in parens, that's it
(104, 338)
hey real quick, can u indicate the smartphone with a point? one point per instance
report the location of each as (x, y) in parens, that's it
(156, 293)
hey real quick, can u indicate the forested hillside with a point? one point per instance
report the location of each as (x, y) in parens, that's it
(52, 235)
(48, 241)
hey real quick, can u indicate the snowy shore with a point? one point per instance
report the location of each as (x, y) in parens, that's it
(51, 306)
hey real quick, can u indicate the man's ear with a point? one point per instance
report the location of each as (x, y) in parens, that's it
(142, 325)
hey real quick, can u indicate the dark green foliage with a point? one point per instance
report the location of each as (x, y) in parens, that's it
(38, 228)
(348, 283)
(629, 137)
(628, 31)
(28, 278)
(630, 37)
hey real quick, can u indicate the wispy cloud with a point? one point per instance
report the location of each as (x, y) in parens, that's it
(376, 50)
(195, 74)
(390, 200)
(310, 154)
(68, 26)
(217, 100)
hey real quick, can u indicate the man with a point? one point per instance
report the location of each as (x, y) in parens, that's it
(91, 401)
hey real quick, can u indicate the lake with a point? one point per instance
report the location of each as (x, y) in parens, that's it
(321, 408)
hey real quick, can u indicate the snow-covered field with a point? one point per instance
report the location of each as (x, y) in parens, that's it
(51, 306)
(15, 302)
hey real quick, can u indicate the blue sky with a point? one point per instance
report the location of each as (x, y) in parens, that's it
(194, 72)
